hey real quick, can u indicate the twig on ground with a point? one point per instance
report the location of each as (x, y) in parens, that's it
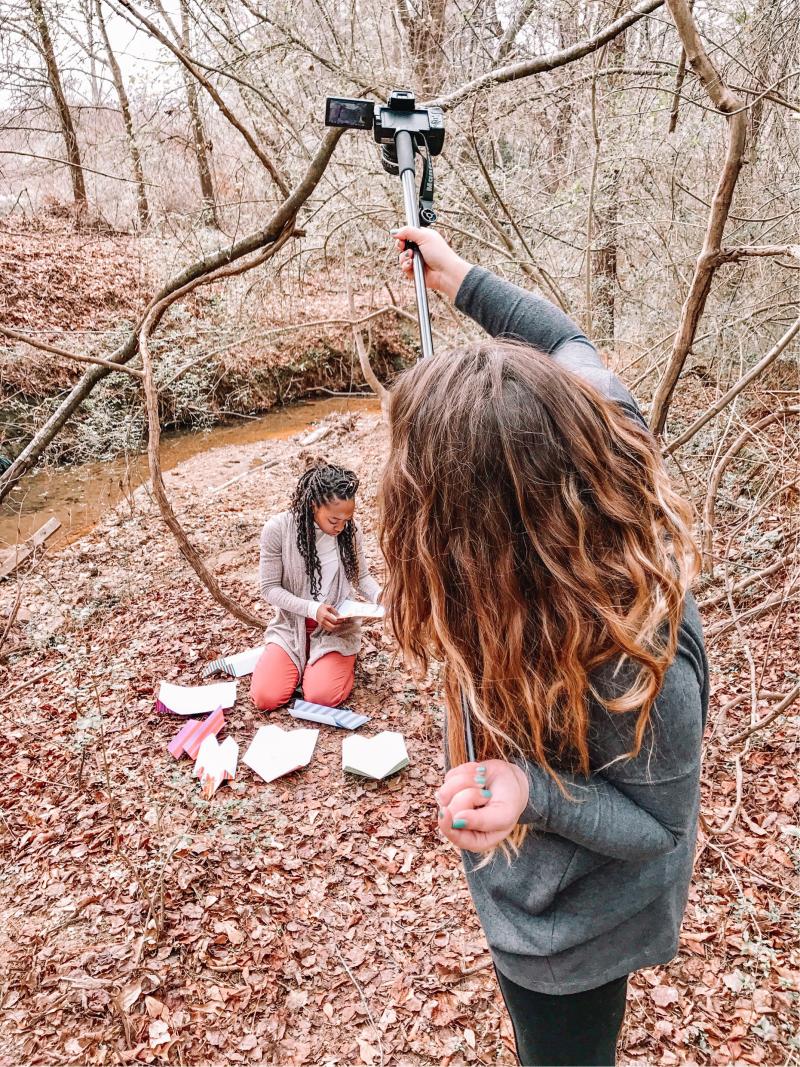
(239, 477)
(787, 702)
(24, 685)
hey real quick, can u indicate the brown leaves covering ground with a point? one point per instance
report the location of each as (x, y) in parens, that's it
(319, 919)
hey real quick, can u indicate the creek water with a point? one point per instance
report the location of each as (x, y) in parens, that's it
(79, 495)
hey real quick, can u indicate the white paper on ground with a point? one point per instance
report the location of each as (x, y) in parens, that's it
(196, 699)
(215, 763)
(274, 752)
(238, 665)
(360, 609)
(374, 757)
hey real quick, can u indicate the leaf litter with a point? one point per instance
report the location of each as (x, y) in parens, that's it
(317, 919)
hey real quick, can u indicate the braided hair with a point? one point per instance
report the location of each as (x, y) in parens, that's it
(320, 485)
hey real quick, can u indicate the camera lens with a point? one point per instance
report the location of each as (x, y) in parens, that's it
(389, 159)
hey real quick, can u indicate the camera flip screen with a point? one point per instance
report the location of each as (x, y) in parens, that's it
(353, 114)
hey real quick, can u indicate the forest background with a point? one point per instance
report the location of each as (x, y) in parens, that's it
(182, 242)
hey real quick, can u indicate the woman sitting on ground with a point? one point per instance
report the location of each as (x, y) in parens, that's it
(534, 544)
(311, 558)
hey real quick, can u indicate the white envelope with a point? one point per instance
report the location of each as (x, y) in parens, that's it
(196, 699)
(215, 763)
(274, 752)
(374, 757)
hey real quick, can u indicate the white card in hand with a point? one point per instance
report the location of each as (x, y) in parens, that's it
(359, 609)
(274, 752)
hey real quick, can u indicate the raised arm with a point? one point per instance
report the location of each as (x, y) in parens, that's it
(505, 310)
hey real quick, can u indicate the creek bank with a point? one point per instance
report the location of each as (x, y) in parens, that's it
(80, 494)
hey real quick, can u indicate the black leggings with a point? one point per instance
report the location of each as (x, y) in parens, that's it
(576, 1029)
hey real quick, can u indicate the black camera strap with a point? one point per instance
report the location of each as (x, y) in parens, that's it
(427, 216)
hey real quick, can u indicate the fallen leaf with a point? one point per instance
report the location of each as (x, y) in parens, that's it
(158, 1032)
(664, 995)
(129, 994)
(296, 1000)
(154, 1007)
(366, 1051)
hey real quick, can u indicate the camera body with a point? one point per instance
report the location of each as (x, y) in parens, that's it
(386, 121)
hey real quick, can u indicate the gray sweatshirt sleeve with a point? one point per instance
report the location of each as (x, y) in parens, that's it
(271, 572)
(506, 311)
(632, 808)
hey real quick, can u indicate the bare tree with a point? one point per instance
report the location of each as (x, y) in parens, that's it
(48, 54)
(142, 206)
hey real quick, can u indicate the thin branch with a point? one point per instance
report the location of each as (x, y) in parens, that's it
(540, 64)
(786, 703)
(733, 255)
(363, 357)
(735, 389)
(730, 105)
(77, 166)
(45, 347)
(742, 584)
(188, 550)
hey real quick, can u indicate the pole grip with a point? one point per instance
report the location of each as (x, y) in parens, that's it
(404, 147)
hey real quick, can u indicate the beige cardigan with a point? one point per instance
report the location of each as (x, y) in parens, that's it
(286, 586)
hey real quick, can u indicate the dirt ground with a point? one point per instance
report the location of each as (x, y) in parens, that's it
(320, 919)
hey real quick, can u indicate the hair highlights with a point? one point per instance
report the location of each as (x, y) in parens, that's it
(532, 536)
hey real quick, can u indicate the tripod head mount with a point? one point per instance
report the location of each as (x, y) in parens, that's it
(402, 130)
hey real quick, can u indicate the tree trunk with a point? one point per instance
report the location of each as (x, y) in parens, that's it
(201, 143)
(424, 27)
(605, 254)
(125, 107)
(64, 114)
(606, 212)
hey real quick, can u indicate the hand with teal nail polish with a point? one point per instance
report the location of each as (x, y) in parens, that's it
(480, 804)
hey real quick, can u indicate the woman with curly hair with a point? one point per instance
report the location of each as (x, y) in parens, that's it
(536, 548)
(311, 558)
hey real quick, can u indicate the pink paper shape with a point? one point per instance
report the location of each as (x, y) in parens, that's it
(191, 737)
(175, 747)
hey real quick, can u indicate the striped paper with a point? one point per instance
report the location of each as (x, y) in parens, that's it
(344, 718)
(237, 665)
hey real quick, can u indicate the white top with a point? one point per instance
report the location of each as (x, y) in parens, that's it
(328, 552)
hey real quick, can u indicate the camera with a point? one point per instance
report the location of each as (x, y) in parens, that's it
(400, 113)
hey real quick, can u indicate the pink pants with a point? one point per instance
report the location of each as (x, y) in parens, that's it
(329, 681)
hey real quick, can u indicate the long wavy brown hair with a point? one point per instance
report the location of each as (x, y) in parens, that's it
(531, 536)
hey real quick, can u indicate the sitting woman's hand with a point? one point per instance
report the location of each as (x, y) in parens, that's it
(445, 270)
(328, 618)
(480, 803)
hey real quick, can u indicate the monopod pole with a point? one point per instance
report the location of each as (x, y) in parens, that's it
(404, 146)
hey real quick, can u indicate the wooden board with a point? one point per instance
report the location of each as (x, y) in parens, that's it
(17, 555)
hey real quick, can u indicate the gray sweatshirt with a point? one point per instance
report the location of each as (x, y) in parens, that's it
(599, 887)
